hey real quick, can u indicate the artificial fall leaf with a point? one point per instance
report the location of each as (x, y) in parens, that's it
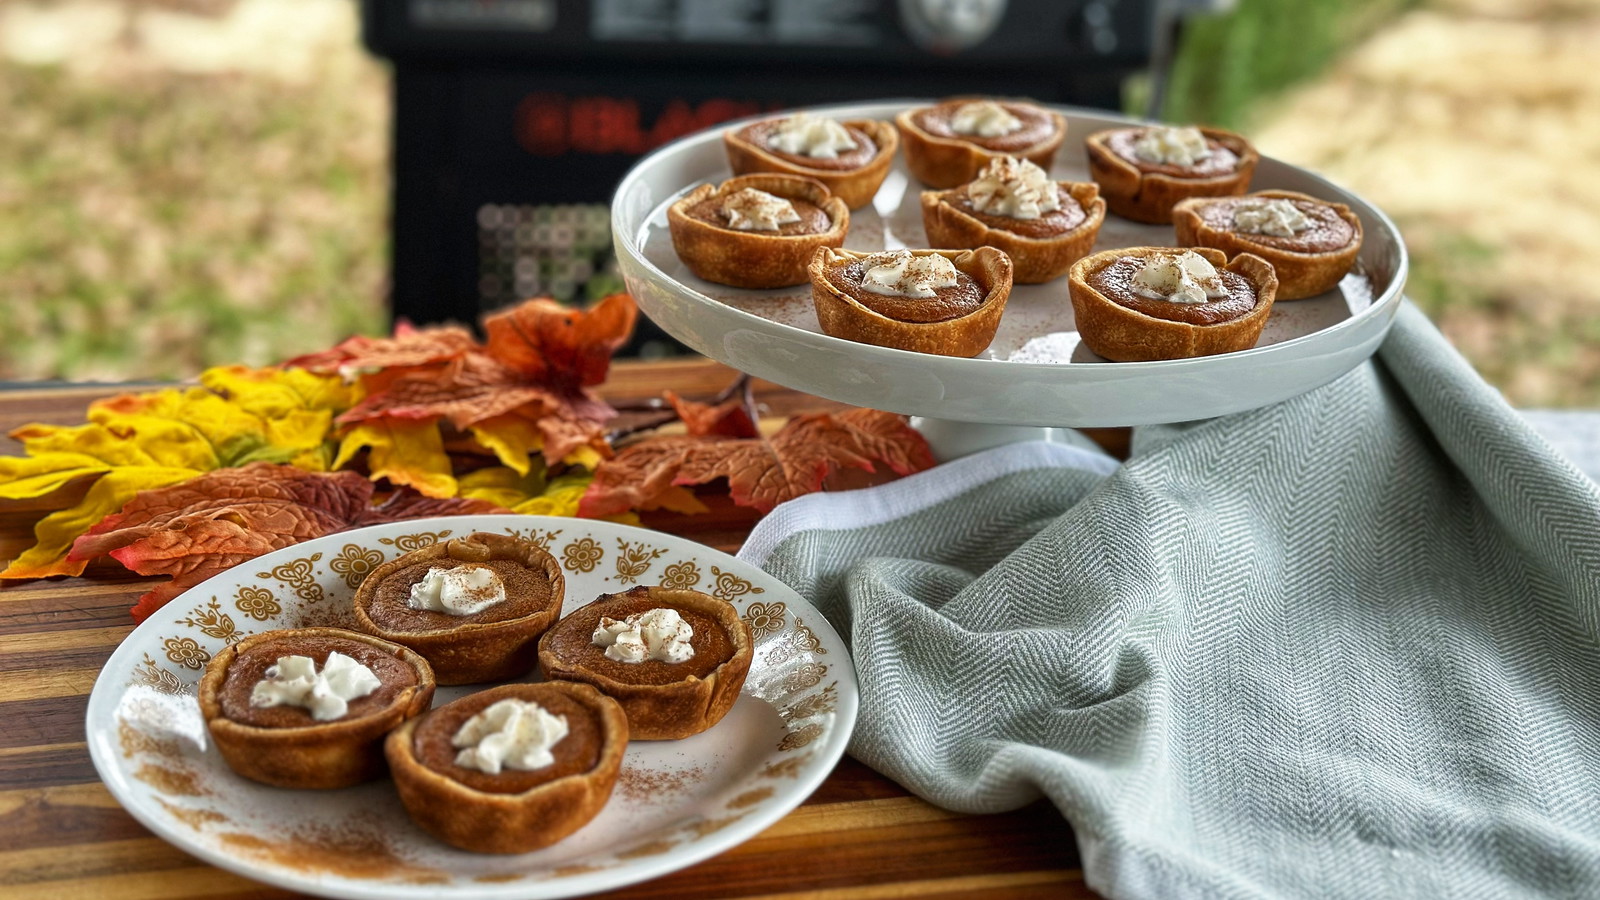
(410, 347)
(405, 451)
(526, 390)
(761, 472)
(528, 494)
(206, 525)
(551, 344)
(730, 418)
(135, 442)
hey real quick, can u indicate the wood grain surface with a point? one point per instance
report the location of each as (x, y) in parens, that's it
(62, 835)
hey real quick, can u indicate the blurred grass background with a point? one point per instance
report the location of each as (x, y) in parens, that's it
(192, 182)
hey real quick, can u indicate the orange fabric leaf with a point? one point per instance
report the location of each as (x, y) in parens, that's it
(729, 418)
(408, 348)
(761, 472)
(194, 530)
(547, 342)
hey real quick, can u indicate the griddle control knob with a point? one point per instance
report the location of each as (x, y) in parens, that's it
(945, 26)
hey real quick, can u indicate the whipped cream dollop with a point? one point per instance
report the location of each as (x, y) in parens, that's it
(818, 137)
(295, 681)
(659, 634)
(458, 590)
(901, 273)
(1277, 217)
(984, 118)
(1171, 146)
(748, 209)
(1015, 188)
(509, 734)
(1183, 278)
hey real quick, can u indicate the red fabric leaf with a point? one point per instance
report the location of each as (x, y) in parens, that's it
(761, 472)
(727, 419)
(204, 526)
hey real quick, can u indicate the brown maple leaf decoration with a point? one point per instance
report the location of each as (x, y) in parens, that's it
(761, 471)
(540, 362)
(204, 526)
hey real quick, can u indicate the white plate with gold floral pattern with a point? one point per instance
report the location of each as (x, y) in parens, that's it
(676, 802)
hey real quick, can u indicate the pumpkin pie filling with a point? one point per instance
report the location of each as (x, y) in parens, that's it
(813, 220)
(1325, 229)
(526, 592)
(761, 134)
(1065, 217)
(1219, 160)
(578, 751)
(1116, 283)
(1033, 126)
(572, 640)
(950, 302)
(249, 669)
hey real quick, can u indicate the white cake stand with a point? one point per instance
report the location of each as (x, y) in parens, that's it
(1036, 377)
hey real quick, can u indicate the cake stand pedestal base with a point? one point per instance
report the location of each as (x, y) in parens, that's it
(950, 439)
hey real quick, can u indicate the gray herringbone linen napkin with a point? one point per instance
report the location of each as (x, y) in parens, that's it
(1345, 646)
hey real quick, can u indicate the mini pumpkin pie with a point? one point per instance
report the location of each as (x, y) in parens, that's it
(510, 769)
(1044, 226)
(675, 659)
(947, 144)
(1144, 172)
(1143, 303)
(851, 157)
(1311, 243)
(756, 231)
(474, 607)
(309, 708)
(946, 302)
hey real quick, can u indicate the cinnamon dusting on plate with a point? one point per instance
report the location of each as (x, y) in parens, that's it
(343, 851)
(194, 818)
(657, 786)
(135, 741)
(176, 780)
(750, 798)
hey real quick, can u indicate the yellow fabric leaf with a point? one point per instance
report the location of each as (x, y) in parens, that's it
(24, 478)
(585, 456)
(231, 431)
(405, 451)
(56, 532)
(502, 486)
(274, 392)
(513, 439)
(296, 406)
(560, 497)
(131, 441)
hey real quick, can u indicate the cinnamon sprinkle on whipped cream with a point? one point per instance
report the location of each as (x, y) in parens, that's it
(818, 137)
(1277, 217)
(1185, 277)
(901, 273)
(984, 118)
(748, 209)
(1015, 188)
(1170, 146)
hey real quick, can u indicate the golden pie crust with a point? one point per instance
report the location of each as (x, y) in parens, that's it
(1149, 196)
(332, 754)
(1301, 274)
(675, 709)
(754, 259)
(855, 187)
(842, 316)
(473, 652)
(485, 822)
(1126, 335)
(1033, 259)
(946, 162)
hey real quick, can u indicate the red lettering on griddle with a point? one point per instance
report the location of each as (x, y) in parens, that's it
(549, 124)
